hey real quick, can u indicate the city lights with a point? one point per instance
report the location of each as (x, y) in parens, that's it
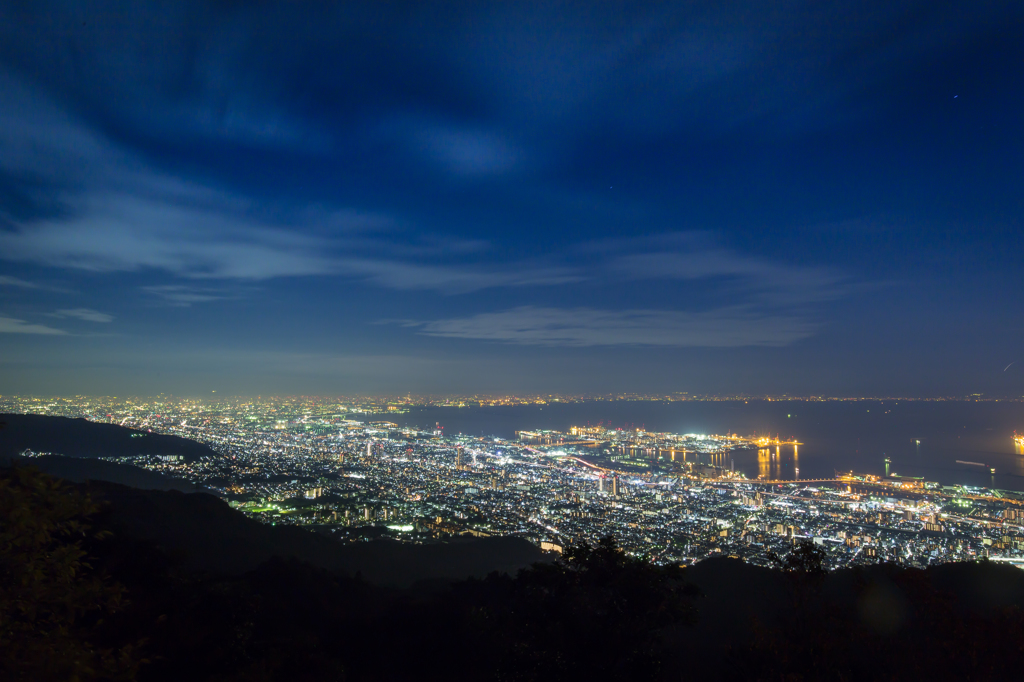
(672, 498)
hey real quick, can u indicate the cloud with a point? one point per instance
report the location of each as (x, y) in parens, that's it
(87, 314)
(118, 233)
(469, 152)
(124, 215)
(115, 232)
(527, 325)
(191, 72)
(777, 282)
(15, 282)
(457, 280)
(10, 325)
(120, 214)
(182, 296)
(40, 141)
(697, 255)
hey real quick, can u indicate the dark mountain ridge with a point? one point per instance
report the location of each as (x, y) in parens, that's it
(83, 438)
(83, 469)
(205, 534)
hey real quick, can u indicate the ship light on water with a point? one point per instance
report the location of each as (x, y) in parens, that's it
(1018, 439)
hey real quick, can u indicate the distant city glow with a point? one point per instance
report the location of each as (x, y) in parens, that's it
(673, 498)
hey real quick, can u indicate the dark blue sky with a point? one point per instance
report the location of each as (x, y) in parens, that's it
(259, 197)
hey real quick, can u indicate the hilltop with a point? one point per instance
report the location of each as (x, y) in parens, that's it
(204, 534)
(83, 438)
(82, 470)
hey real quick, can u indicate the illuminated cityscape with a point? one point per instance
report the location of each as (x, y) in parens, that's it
(504, 341)
(672, 498)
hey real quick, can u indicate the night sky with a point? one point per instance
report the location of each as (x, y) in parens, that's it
(381, 197)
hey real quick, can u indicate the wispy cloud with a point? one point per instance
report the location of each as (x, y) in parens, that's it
(10, 325)
(86, 314)
(183, 296)
(121, 215)
(469, 152)
(126, 233)
(458, 280)
(15, 282)
(696, 255)
(528, 325)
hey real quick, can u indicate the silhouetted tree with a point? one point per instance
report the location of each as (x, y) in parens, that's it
(592, 614)
(51, 600)
(805, 558)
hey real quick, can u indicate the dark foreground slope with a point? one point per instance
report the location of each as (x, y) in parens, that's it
(83, 438)
(595, 615)
(82, 469)
(950, 622)
(203, 533)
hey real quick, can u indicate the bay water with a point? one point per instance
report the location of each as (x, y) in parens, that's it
(951, 442)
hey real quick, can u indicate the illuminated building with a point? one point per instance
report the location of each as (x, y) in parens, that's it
(552, 486)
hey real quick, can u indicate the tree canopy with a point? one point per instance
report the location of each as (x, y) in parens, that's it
(51, 598)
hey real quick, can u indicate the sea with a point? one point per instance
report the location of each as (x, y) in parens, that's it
(950, 442)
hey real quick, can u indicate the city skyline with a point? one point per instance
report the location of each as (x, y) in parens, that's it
(523, 398)
(671, 498)
(458, 199)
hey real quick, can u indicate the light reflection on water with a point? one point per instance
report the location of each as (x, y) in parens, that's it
(921, 438)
